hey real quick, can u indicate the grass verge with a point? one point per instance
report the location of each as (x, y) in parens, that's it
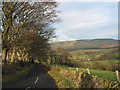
(12, 73)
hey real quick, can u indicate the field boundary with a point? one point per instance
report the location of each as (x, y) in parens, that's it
(99, 82)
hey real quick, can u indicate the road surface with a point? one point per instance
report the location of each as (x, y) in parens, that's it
(37, 78)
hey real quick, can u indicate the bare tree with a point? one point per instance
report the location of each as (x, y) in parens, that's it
(19, 17)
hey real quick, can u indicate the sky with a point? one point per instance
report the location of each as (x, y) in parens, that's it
(87, 20)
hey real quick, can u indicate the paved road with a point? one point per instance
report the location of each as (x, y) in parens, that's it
(38, 78)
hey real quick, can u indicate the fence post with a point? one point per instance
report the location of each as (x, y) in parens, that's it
(76, 69)
(69, 68)
(117, 75)
(88, 71)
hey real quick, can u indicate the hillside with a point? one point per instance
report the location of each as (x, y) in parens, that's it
(86, 44)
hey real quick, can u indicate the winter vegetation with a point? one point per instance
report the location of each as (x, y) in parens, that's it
(27, 30)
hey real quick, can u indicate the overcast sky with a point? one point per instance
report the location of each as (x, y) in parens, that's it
(87, 20)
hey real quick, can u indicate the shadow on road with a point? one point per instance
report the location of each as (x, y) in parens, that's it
(37, 78)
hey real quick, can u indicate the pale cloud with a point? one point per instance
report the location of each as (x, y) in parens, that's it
(73, 20)
(87, 0)
(107, 33)
(82, 19)
(90, 23)
(60, 0)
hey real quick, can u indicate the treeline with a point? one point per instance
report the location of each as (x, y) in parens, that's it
(96, 54)
(112, 54)
(59, 56)
(26, 30)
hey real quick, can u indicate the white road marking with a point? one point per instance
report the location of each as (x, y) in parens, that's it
(36, 80)
(27, 88)
(34, 83)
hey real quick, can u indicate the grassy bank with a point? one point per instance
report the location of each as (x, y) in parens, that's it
(61, 80)
(12, 73)
(67, 77)
(110, 75)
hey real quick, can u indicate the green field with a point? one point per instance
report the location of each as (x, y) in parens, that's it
(103, 62)
(105, 74)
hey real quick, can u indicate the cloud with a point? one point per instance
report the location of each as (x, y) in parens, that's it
(87, 23)
(87, 0)
(62, 37)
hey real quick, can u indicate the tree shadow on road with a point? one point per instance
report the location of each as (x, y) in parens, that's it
(37, 78)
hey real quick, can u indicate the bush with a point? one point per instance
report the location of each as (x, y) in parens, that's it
(108, 67)
(115, 67)
(78, 64)
(97, 65)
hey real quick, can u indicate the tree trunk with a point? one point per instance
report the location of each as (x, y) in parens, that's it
(4, 55)
(13, 56)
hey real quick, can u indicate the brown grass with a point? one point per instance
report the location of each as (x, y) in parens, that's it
(14, 72)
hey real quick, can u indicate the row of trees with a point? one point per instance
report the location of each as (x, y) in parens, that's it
(59, 56)
(26, 30)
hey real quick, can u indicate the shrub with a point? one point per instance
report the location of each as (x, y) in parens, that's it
(115, 67)
(78, 64)
(108, 67)
(97, 65)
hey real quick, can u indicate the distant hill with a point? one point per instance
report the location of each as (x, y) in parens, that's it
(86, 44)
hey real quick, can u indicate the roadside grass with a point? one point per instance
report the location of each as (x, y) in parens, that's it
(12, 73)
(61, 80)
